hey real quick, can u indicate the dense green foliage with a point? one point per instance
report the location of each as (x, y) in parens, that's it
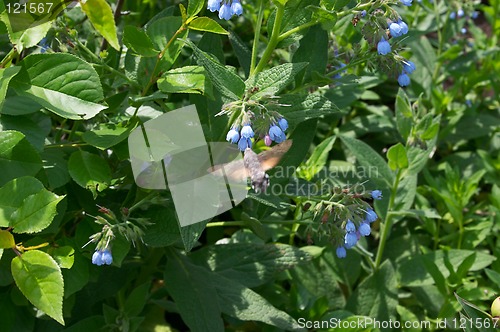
(402, 122)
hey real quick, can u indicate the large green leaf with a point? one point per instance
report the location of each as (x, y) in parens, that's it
(137, 40)
(376, 296)
(229, 85)
(303, 107)
(248, 263)
(89, 171)
(108, 135)
(161, 33)
(26, 36)
(5, 76)
(12, 195)
(397, 158)
(318, 158)
(194, 294)
(63, 83)
(243, 303)
(101, 17)
(36, 212)
(367, 157)
(39, 278)
(36, 127)
(17, 157)
(270, 82)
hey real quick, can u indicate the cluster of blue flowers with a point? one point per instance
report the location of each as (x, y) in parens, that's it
(226, 8)
(408, 68)
(101, 257)
(244, 137)
(396, 29)
(353, 234)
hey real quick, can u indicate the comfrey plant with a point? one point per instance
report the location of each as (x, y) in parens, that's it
(343, 217)
(112, 227)
(382, 26)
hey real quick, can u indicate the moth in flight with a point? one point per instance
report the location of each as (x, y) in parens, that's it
(255, 165)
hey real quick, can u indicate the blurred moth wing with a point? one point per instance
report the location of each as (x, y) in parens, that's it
(254, 165)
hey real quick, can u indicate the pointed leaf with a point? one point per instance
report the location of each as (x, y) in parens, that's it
(243, 303)
(5, 76)
(194, 7)
(12, 195)
(207, 24)
(36, 212)
(194, 294)
(225, 82)
(89, 171)
(39, 278)
(138, 41)
(101, 17)
(63, 83)
(17, 157)
(270, 82)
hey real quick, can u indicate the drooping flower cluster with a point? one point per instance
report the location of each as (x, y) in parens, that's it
(226, 8)
(353, 233)
(110, 225)
(408, 68)
(101, 257)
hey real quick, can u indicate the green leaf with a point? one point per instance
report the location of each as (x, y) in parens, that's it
(136, 300)
(138, 41)
(404, 115)
(188, 79)
(36, 212)
(194, 7)
(314, 50)
(376, 295)
(56, 167)
(108, 135)
(243, 303)
(101, 17)
(478, 316)
(207, 24)
(248, 263)
(63, 83)
(397, 158)
(6, 240)
(39, 278)
(19, 105)
(64, 256)
(5, 76)
(228, 84)
(367, 157)
(12, 195)
(36, 127)
(17, 157)
(318, 158)
(300, 108)
(191, 233)
(191, 288)
(23, 31)
(165, 229)
(89, 171)
(328, 18)
(161, 32)
(241, 51)
(272, 81)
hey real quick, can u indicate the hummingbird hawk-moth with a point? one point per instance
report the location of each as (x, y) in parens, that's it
(255, 165)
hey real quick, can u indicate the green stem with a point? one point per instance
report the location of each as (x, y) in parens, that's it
(256, 38)
(8, 57)
(386, 227)
(67, 145)
(290, 32)
(440, 40)
(142, 201)
(154, 74)
(273, 41)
